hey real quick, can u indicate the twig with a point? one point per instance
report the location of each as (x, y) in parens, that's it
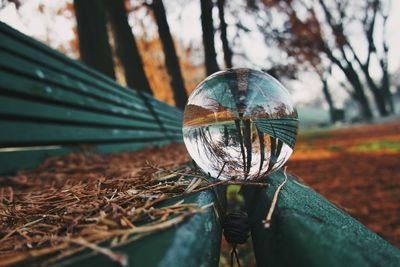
(177, 172)
(267, 221)
(222, 169)
(120, 258)
(19, 228)
(193, 185)
(73, 191)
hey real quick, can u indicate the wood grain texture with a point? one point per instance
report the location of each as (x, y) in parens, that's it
(308, 230)
(53, 105)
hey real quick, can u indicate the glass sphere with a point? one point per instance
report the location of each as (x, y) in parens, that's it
(240, 124)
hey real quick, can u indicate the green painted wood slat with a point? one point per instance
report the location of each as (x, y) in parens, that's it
(194, 243)
(31, 110)
(35, 52)
(31, 133)
(23, 87)
(20, 158)
(53, 105)
(93, 113)
(24, 68)
(308, 230)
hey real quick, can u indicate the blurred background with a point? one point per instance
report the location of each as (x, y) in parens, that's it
(340, 60)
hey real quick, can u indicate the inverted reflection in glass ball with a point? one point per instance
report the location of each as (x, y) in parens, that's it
(240, 124)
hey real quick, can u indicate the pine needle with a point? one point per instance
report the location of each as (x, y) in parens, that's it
(267, 221)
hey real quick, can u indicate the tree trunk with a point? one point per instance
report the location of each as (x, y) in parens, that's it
(389, 98)
(328, 98)
(208, 37)
(224, 38)
(380, 101)
(126, 48)
(352, 77)
(378, 94)
(171, 59)
(95, 50)
(385, 87)
(359, 94)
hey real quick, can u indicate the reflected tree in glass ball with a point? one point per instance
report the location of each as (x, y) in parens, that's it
(241, 124)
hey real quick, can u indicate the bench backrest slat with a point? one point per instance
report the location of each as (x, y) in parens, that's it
(13, 64)
(22, 87)
(68, 69)
(52, 104)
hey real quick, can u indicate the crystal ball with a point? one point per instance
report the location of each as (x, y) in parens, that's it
(240, 124)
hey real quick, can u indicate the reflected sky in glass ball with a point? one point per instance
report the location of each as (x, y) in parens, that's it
(240, 122)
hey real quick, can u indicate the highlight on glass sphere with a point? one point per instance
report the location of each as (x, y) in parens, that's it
(240, 124)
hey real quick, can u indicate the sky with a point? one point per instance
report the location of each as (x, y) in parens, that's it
(184, 20)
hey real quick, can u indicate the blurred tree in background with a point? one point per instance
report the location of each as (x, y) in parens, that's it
(94, 47)
(224, 37)
(334, 54)
(207, 24)
(318, 34)
(125, 46)
(171, 58)
(342, 44)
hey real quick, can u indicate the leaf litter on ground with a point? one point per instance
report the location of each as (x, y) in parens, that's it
(80, 200)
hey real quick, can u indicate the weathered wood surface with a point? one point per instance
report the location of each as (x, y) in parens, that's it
(193, 243)
(308, 230)
(52, 105)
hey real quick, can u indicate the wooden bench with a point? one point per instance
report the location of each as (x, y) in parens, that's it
(52, 105)
(308, 230)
